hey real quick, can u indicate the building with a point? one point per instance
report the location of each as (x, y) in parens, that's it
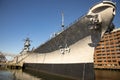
(107, 54)
(2, 58)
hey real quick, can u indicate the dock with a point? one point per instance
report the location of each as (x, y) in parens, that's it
(14, 65)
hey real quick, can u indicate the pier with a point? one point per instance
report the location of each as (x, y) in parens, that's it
(14, 66)
(11, 66)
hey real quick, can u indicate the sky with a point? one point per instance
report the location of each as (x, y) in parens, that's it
(38, 19)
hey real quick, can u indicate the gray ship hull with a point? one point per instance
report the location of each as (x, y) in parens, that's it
(77, 71)
(77, 63)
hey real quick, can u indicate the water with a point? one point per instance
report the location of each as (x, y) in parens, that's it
(107, 75)
(23, 75)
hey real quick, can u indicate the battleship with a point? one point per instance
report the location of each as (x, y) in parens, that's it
(69, 53)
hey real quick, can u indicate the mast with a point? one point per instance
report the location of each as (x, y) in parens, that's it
(27, 44)
(62, 21)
